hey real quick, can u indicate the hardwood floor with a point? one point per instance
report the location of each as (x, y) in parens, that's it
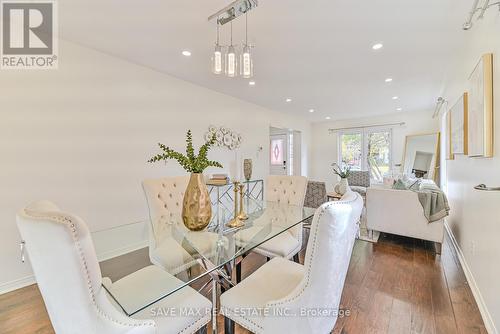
(395, 286)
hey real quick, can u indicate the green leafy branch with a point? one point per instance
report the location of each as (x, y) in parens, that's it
(190, 162)
(343, 172)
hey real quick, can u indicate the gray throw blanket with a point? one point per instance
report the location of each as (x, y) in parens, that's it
(434, 202)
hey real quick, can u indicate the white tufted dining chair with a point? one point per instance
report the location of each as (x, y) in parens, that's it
(164, 197)
(63, 258)
(280, 296)
(290, 190)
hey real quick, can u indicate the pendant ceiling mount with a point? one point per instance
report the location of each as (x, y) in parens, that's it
(233, 10)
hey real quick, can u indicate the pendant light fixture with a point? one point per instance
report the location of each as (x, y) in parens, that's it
(231, 58)
(217, 59)
(246, 61)
(231, 62)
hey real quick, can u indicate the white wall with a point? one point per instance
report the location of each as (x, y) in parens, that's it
(80, 136)
(475, 215)
(324, 147)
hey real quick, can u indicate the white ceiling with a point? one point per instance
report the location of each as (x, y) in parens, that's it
(316, 52)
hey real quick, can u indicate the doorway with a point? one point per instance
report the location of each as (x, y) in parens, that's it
(284, 151)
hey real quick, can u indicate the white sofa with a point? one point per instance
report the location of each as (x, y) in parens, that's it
(400, 212)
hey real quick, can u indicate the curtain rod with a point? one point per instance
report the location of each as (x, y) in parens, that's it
(367, 126)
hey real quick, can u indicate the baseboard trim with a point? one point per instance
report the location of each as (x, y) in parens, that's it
(123, 250)
(483, 309)
(17, 284)
(29, 280)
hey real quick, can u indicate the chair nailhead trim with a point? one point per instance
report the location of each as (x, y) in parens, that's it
(58, 218)
(310, 259)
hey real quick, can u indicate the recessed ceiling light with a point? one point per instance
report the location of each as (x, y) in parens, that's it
(395, 97)
(288, 100)
(186, 53)
(399, 109)
(311, 110)
(251, 83)
(377, 46)
(327, 117)
(388, 80)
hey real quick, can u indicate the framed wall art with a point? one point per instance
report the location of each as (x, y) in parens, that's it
(448, 154)
(459, 126)
(480, 109)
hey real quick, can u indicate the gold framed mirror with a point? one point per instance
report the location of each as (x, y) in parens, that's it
(421, 156)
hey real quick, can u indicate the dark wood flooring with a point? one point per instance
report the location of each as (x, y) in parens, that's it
(398, 285)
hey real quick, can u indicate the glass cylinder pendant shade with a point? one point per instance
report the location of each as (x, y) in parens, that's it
(217, 60)
(246, 63)
(231, 62)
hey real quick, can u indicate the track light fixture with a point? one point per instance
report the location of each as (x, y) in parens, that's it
(478, 8)
(439, 105)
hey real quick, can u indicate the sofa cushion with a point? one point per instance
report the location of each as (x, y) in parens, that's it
(359, 190)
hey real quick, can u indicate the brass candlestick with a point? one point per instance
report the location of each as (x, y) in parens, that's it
(235, 222)
(242, 215)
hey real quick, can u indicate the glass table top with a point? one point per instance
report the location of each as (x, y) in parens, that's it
(168, 256)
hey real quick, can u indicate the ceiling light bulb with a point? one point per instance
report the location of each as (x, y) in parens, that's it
(388, 80)
(251, 83)
(186, 53)
(399, 109)
(395, 97)
(377, 46)
(217, 60)
(246, 63)
(288, 100)
(231, 63)
(231, 60)
(311, 110)
(327, 117)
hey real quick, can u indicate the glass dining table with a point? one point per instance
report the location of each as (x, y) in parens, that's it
(203, 260)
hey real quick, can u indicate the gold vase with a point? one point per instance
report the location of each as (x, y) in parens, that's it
(196, 206)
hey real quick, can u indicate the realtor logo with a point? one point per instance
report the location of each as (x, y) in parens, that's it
(28, 35)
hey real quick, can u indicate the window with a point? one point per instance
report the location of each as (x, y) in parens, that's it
(352, 150)
(368, 149)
